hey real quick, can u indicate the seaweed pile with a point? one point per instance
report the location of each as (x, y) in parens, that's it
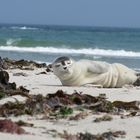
(87, 136)
(22, 64)
(10, 89)
(38, 104)
(8, 126)
(64, 103)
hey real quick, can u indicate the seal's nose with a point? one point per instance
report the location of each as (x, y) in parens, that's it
(64, 68)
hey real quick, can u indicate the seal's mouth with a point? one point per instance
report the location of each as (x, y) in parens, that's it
(66, 71)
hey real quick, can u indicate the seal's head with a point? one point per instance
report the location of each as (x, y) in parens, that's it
(62, 66)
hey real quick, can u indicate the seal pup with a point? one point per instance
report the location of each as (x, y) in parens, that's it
(82, 72)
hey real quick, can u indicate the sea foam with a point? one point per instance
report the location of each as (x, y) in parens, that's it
(23, 28)
(12, 41)
(89, 51)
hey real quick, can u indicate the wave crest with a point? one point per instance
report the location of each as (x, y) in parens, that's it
(89, 51)
(23, 28)
(12, 41)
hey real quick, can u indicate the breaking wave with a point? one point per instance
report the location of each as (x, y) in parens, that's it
(12, 41)
(89, 51)
(23, 28)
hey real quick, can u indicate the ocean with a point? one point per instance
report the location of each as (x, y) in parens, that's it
(44, 43)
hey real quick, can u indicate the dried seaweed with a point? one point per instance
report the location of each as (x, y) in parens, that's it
(22, 123)
(20, 74)
(7, 126)
(81, 115)
(62, 103)
(127, 105)
(15, 109)
(21, 64)
(10, 89)
(138, 137)
(19, 91)
(88, 136)
(2, 94)
(103, 118)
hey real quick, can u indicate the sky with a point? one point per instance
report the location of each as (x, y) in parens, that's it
(116, 13)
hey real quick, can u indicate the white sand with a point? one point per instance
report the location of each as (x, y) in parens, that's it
(44, 84)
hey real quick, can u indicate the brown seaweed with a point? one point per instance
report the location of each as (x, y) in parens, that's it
(21, 64)
(10, 89)
(38, 104)
(127, 105)
(103, 118)
(88, 136)
(7, 126)
(22, 123)
(81, 115)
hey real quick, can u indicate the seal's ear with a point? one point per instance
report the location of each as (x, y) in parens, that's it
(49, 68)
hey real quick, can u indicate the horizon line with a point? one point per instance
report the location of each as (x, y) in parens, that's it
(68, 25)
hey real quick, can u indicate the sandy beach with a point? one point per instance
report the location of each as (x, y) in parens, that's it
(69, 70)
(44, 129)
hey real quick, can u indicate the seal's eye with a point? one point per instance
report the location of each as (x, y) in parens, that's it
(68, 62)
(57, 65)
(63, 63)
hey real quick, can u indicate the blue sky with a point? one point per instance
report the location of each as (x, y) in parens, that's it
(120, 13)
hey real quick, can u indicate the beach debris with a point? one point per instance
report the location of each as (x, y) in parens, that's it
(4, 77)
(20, 74)
(81, 115)
(22, 123)
(23, 89)
(127, 105)
(101, 106)
(103, 118)
(13, 108)
(19, 91)
(75, 98)
(9, 86)
(8, 126)
(65, 135)
(138, 137)
(102, 95)
(52, 132)
(87, 101)
(3, 64)
(2, 95)
(61, 104)
(64, 111)
(33, 105)
(130, 114)
(22, 64)
(88, 136)
(10, 89)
